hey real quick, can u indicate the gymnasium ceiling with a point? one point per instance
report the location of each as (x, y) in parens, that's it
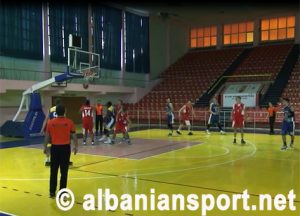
(212, 13)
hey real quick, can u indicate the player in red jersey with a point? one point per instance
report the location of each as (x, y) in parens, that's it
(184, 115)
(87, 113)
(122, 122)
(237, 117)
(119, 106)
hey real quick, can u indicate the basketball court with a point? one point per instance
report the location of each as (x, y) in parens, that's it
(103, 53)
(181, 164)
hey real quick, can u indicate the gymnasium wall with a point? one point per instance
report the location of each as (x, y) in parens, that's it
(21, 69)
(231, 13)
(169, 38)
(9, 103)
(168, 42)
(25, 69)
(73, 104)
(10, 98)
(12, 68)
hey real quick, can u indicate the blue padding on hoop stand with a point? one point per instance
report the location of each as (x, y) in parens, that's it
(35, 102)
(35, 117)
(12, 129)
(67, 76)
(32, 124)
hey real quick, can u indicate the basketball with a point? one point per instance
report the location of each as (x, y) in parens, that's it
(85, 85)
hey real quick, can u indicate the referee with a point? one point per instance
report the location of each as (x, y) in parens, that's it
(58, 133)
(272, 116)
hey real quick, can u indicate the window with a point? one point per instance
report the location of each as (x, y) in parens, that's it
(21, 30)
(204, 37)
(136, 43)
(238, 33)
(65, 20)
(107, 35)
(280, 28)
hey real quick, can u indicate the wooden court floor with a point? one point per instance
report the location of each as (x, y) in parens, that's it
(198, 164)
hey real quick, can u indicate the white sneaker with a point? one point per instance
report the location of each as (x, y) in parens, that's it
(93, 143)
(108, 141)
(102, 139)
(84, 143)
(207, 131)
(222, 132)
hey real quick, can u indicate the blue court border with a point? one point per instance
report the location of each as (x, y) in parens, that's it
(18, 143)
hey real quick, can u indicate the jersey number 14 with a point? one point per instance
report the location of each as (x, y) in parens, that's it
(87, 112)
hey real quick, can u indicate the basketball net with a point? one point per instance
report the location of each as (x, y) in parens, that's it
(89, 75)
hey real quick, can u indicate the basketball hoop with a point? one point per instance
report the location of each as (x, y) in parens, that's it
(89, 75)
(83, 64)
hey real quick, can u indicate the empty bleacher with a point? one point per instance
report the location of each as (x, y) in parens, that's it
(188, 78)
(194, 73)
(262, 60)
(292, 90)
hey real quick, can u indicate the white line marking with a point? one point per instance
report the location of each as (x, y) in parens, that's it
(144, 174)
(200, 167)
(226, 152)
(10, 214)
(47, 179)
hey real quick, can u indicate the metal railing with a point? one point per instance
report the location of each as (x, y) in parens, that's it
(158, 119)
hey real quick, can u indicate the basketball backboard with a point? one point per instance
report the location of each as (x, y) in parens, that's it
(82, 62)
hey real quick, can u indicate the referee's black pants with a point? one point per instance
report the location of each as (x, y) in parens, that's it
(60, 157)
(99, 119)
(271, 123)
